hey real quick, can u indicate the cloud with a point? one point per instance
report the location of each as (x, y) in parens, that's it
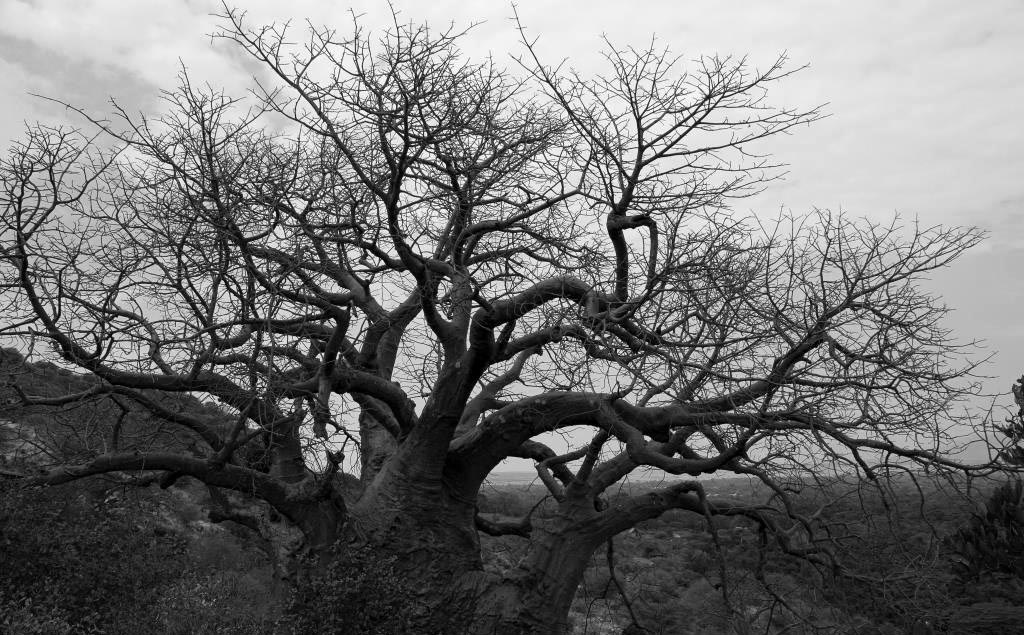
(100, 50)
(142, 37)
(87, 83)
(923, 99)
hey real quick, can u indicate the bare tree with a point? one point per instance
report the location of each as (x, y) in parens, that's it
(394, 260)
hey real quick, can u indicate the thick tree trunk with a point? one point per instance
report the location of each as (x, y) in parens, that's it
(416, 520)
(420, 540)
(414, 524)
(424, 539)
(535, 597)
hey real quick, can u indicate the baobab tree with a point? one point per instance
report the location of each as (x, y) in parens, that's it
(393, 262)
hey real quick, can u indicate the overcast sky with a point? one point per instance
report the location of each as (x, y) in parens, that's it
(926, 98)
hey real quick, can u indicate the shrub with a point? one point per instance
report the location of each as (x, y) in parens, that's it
(224, 602)
(993, 542)
(987, 618)
(66, 566)
(357, 591)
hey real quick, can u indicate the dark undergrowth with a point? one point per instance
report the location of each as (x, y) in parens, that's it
(931, 559)
(95, 557)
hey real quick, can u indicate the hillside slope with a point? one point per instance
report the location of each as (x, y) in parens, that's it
(104, 555)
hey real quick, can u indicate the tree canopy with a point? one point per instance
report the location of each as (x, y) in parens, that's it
(393, 261)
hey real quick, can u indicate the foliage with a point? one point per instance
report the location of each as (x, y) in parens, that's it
(358, 592)
(987, 618)
(993, 542)
(225, 602)
(95, 559)
(1014, 429)
(64, 562)
(988, 551)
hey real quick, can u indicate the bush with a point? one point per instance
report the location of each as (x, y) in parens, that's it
(224, 602)
(358, 591)
(987, 618)
(23, 616)
(71, 563)
(993, 543)
(64, 562)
